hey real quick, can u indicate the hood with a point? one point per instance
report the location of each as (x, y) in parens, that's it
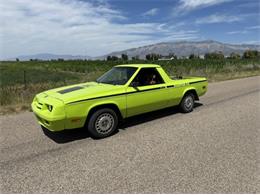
(84, 91)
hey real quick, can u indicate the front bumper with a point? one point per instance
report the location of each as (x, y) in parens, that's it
(54, 120)
(50, 124)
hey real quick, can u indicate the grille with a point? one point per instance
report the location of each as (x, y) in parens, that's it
(39, 105)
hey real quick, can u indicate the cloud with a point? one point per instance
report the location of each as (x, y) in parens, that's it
(253, 27)
(248, 4)
(245, 30)
(237, 32)
(215, 18)
(151, 12)
(74, 27)
(190, 5)
(254, 42)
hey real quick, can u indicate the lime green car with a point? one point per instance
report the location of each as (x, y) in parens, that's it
(123, 91)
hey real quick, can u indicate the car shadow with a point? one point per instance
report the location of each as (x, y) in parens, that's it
(70, 135)
(67, 135)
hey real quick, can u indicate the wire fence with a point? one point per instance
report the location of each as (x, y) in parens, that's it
(12, 73)
(19, 82)
(12, 77)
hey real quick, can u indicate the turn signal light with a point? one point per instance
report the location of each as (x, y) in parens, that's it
(49, 107)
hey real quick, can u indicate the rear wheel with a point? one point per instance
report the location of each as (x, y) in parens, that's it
(103, 123)
(187, 103)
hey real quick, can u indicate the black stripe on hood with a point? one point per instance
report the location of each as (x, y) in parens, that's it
(70, 89)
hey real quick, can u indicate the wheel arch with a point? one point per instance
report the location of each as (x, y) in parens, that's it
(193, 91)
(110, 105)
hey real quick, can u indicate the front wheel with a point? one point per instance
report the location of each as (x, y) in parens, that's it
(187, 103)
(103, 123)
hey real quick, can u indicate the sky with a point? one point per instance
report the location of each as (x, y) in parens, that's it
(98, 27)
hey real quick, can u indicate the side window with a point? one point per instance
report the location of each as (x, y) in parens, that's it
(148, 76)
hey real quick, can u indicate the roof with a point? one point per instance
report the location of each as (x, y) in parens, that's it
(140, 65)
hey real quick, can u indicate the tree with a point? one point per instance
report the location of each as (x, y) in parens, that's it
(234, 56)
(172, 56)
(152, 56)
(248, 54)
(35, 60)
(135, 57)
(17, 59)
(148, 57)
(214, 55)
(114, 58)
(193, 56)
(220, 55)
(124, 57)
(109, 58)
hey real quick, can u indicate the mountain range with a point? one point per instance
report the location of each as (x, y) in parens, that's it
(185, 48)
(181, 49)
(49, 56)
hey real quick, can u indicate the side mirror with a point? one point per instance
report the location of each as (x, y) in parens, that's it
(134, 84)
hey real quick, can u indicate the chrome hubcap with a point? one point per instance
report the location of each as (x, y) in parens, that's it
(188, 102)
(104, 123)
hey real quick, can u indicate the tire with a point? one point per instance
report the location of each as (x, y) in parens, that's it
(187, 103)
(102, 123)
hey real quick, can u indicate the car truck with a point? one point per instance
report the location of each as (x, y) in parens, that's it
(122, 92)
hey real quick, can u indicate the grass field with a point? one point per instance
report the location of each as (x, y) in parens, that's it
(20, 81)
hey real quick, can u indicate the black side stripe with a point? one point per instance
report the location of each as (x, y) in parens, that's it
(197, 82)
(169, 86)
(118, 94)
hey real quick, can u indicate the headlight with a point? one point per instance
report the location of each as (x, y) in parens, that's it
(49, 107)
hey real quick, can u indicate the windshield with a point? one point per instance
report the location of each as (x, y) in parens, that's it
(117, 75)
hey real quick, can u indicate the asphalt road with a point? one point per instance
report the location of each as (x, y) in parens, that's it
(214, 149)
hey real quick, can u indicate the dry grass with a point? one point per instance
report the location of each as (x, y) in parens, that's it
(16, 96)
(14, 109)
(232, 75)
(15, 99)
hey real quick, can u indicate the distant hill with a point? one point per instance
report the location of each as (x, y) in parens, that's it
(48, 56)
(185, 48)
(181, 48)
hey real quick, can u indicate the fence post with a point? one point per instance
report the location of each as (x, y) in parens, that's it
(24, 79)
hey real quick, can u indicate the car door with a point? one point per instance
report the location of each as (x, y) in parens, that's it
(146, 94)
